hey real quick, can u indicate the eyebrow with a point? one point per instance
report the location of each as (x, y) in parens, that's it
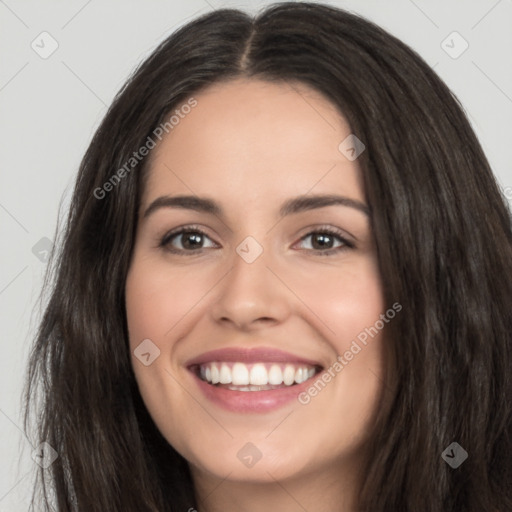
(289, 207)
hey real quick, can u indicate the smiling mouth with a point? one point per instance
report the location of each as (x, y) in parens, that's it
(260, 376)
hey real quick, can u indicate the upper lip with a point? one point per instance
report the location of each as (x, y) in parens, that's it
(250, 355)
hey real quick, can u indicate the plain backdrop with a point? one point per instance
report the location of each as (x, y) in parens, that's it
(51, 104)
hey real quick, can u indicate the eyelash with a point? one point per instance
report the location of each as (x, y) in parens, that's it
(165, 241)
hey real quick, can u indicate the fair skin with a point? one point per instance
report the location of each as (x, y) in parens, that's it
(249, 146)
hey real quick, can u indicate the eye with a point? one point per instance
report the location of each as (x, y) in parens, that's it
(189, 237)
(323, 239)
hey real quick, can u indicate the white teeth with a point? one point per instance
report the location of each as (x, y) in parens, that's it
(225, 374)
(275, 375)
(257, 376)
(250, 387)
(289, 375)
(298, 375)
(215, 374)
(239, 374)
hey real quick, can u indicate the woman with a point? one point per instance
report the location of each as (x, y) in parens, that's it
(285, 280)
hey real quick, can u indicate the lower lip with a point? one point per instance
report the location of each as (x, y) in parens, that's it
(251, 401)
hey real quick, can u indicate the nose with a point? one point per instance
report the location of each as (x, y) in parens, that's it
(251, 296)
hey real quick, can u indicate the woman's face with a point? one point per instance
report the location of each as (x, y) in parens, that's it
(263, 293)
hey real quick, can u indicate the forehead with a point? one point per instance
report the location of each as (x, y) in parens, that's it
(248, 139)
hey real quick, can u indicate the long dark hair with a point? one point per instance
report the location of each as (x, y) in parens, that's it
(444, 243)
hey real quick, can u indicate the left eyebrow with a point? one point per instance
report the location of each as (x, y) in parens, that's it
(303, 203)
(289, 207)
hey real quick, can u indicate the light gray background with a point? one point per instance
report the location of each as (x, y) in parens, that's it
(51, 107)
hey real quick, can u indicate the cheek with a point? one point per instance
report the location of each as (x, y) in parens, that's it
(158, 298)
(346, 299)
(349, 303)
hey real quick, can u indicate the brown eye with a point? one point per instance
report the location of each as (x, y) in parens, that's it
(190, 239)
(322, 241)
